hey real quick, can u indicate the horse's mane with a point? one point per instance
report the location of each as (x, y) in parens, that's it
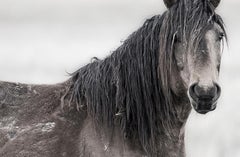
(132, 85)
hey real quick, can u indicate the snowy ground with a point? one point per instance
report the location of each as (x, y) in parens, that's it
(42, 40)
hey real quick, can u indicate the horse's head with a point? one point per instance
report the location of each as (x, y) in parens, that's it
(197, 52)
(201, 69)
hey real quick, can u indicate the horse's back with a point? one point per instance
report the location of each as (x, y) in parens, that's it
(31, 123)
(28, 102)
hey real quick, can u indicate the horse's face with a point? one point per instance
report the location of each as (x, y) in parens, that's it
(199, 70)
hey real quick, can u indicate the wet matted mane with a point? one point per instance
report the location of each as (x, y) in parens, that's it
(132, 84)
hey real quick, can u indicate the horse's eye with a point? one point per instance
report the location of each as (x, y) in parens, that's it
(221, 36)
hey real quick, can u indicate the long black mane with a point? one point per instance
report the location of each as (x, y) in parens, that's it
(132, 85)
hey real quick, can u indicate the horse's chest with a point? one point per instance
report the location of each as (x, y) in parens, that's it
(99, 143)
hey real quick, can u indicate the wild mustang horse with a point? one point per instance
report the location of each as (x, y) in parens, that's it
(134, 103)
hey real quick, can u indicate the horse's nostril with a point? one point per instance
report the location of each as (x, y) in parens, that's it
(218, 91)
(192, 92)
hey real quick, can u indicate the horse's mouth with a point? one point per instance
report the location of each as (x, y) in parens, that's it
(204, 107)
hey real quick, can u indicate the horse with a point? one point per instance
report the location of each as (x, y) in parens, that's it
(133, 103)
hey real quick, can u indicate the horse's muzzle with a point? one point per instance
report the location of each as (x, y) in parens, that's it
(204, 101)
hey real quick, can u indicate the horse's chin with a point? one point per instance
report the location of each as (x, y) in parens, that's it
(203, 107)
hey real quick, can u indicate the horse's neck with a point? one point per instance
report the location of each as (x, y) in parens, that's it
(173, 145)
(170, 144)
(113, 143)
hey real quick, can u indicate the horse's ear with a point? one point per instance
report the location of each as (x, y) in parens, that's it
(215, 3)
(169, 3)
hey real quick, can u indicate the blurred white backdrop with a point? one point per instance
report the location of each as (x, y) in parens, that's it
(40, 41)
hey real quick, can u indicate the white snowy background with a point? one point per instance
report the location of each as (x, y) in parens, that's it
(42, 40)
